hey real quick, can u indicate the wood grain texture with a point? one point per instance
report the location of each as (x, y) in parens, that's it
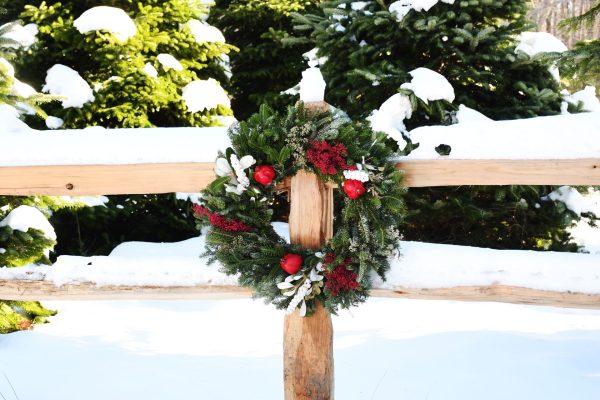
(308, 342)
(43, 290)
(78, 180)
(311, 210)
(450, 172)
(192, 177)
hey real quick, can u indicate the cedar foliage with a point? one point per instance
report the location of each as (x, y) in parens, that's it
(370, 53)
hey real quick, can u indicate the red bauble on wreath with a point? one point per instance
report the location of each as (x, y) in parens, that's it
(354, 188)
(291, 263)
(264, 174)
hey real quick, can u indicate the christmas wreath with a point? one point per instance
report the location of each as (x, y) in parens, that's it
(238, 208)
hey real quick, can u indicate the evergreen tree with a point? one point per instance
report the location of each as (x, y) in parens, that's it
(266, 64)
(372, 46)
(18, 248)
(582, 63)
(137, 81)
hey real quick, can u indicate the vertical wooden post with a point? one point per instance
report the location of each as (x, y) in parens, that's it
(308, 342)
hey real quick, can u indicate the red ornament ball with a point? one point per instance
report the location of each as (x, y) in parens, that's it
(264, 174)
(354, 188)
(291, 263)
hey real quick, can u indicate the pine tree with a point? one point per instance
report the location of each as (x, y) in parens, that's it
(18, 248)
(267, 62)
(582, 63)
(137, 83)
(372, 46)
(132, 87)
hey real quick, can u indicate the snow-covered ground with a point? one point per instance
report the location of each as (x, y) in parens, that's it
(385, 349)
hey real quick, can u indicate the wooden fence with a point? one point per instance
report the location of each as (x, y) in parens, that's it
(308, 342)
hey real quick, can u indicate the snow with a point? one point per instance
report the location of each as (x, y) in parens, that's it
(104, 18)
(587, 97)
(390, 116)
(466, 115)
(312, 85)
(402, 7)
(203, 95)
(24, 217)
(110, 146)
(386, 349)
(538, 138)
(574, 201)
(193, 197)
(23, 35)
(54, 122)
(168, 61)
(313, 59)
(150, 70)
(429, 85)
(10, 70)
(204, 33)
(66, 82)
(11, 124)
(532, 43)
(89, 201)
(422, 265)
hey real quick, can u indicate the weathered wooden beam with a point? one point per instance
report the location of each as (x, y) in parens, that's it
(450, 172)
(308, 342)
(44, 290)
(77, 180)
(193, 177)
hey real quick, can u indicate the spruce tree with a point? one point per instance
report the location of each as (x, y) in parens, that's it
(372, 46)
(267, 62)
(137, 81)
(582, 63)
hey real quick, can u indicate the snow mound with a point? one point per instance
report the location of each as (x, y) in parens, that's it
(429, 85)
(537, 138)
(204, 95)
(64, 81)
(390, 117)
(466, 115)
(312, 85)
(24, 36)
(54, 122)
(532, 43)
(104, 18)
(402, 7)
(204, 33)
(587, 96)
(168, 61)
(150, 70)
(24, 217)
(575, 202)
(9, 117)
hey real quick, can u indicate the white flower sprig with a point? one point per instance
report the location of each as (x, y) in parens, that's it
(300, 291)
(358, 175)
(239, 180)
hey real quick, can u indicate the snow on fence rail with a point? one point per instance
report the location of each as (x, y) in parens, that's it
(560, 150)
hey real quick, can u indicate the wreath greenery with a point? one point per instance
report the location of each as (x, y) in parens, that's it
(238, 207)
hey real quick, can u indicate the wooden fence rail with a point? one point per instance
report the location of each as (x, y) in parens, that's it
(192, 177)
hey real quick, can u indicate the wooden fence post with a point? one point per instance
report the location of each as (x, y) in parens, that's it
(308, 342)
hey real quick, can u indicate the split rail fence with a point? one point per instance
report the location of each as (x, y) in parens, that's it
(308, 342)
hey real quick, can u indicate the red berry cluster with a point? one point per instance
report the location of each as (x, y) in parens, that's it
(219, 221)
(340, 278)
(327, 157)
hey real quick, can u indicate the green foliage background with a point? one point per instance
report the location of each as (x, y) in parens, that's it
(268, 62)
(472, 43)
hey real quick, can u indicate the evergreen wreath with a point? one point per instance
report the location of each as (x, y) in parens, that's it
(238, 208)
